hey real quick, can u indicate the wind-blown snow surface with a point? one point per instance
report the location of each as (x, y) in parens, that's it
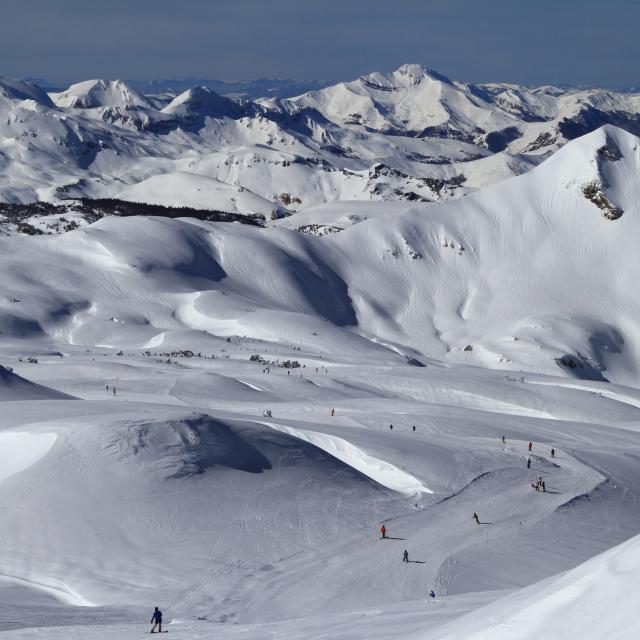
(158, 479)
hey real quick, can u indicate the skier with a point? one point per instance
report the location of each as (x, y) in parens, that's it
(413, 428)
(553, 453)
(405, 556)
(383, 531)
(390, 427)
(530, 446)
(543, 486)
(107, 388)
(333, 412)
(504, 440)
(528, 463)
(114, 390)
(475, 517)
(156, 620)
(432, 594)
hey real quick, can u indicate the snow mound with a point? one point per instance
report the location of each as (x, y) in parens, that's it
(182, 189)
(378, 470)
(20, 450)
(597, 599)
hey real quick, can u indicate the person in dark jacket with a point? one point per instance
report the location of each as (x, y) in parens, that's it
(156, 621)
(475, 517)
(405, 556)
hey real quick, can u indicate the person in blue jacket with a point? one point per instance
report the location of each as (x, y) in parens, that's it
(156, 620)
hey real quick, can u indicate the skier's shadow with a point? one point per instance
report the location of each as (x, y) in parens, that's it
(485, 523)
(417, 561)
(390, 538)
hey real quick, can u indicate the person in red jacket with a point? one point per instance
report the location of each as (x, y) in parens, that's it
(383, 531)
(530, 446)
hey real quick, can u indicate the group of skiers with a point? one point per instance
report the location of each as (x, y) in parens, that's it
(538, 485)
(413, 427)
(405, 554)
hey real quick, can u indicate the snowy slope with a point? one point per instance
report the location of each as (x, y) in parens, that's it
(21, 90)
(521, 273)
(598, 599)
(14, 387)
(213, 431)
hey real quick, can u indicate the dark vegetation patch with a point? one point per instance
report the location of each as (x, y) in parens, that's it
(95, 209)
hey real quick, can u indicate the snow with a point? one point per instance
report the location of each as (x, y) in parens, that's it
(18, 451)
(91, 94)
(407, 136)
(198, 414)
(568, 606)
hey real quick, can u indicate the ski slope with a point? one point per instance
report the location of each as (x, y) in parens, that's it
(225, 418)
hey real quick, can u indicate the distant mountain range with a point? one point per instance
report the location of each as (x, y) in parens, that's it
(412, 134)
(247, 89)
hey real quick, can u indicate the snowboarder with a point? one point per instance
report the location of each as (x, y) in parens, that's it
(432, 594)
(553, 453)
(156, 620)
(530, 446)
(383, 531)
(405, 556)
(475, 517)
(528, 463)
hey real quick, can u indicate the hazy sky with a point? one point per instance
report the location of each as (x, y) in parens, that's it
(533, 42)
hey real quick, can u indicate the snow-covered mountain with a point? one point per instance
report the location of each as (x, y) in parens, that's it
(216, 418)
(472, 281)
(409, 135)
(93, 94)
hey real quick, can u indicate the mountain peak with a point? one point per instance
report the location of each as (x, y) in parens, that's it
(91, 94)
(21, 90)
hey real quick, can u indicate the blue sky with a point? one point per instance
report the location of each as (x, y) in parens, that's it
(585, 42)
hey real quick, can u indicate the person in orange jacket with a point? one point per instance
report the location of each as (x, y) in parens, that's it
(383, 531)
